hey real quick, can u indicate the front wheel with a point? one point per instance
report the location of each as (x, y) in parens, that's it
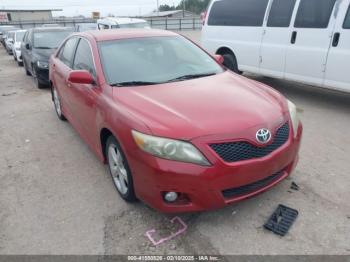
(231, 63)
(119, 170)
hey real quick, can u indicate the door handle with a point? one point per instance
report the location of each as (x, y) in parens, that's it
(336, 38)
(294, 37)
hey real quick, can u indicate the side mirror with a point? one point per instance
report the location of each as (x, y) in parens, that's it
(219, 58)
(11, 41)
(81, 77)
(27, 46)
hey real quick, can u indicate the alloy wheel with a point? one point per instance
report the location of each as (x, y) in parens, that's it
(118, 169)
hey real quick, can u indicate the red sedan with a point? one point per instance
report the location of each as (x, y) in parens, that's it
(178, 130)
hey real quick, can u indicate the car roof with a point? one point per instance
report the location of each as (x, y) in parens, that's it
(117, 34)
(122, 20)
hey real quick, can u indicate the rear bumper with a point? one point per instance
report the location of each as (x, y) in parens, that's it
(207, 187)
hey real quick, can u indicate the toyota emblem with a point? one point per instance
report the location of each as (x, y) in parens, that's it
(263, 136)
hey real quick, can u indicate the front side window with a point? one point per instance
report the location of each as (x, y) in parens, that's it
(281, 13)
(314, 13)
(83, 58)
(238, 13)
(346, 24)
(154, 60)
(50, 39)
(67, 51)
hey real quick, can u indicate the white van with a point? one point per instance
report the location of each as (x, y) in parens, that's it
(302, 40)
(121, 22)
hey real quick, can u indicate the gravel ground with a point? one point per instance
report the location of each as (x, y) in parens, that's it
(57, 198)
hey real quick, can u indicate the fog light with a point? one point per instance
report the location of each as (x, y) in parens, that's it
(170, 196)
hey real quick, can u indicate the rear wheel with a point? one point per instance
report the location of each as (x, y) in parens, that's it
(57, 104)
(119, 170)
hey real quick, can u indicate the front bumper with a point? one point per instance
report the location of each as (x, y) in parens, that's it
(42, 75)
(208, 187)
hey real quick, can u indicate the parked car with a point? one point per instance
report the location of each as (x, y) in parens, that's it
(82, 27)
(50, 25)
(302, 40)
(118, 22)
(38, 44)
(3, 31)
(177, 130)
(9, 40)
(16, 48)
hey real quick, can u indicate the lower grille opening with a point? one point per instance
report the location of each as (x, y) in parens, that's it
(243, 190)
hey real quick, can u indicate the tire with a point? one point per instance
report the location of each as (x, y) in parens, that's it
(57, 104)
(20, 63)
(14, 58)
(119, 169)
(231, 63)
(26, 70)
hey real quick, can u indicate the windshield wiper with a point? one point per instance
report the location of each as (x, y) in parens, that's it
(188, 77)
(135, 83)
(43, 47)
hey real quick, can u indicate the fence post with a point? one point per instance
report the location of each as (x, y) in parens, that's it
(180, 24)
(194, 24)
(151, 22)
(166, 23)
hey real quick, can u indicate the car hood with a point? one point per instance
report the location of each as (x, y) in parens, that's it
(222, 104)
(43, 54)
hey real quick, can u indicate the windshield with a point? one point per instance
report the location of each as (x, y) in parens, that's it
(19, 36)
(50, 39)
(154, 60)
(134, 25)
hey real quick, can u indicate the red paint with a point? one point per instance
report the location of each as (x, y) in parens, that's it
(224, 107)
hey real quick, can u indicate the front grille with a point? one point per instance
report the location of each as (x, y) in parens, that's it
(243, 190)
(238, 151)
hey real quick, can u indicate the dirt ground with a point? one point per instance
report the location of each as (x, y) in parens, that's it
(57, 198)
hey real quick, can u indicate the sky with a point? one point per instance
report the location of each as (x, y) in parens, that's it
(85, 7)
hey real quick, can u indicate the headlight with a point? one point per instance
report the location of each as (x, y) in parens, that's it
(294, 116)
(169, 149)
(42, 65)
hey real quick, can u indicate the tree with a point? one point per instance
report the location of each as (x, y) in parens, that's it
(194, 6)
(166, 8)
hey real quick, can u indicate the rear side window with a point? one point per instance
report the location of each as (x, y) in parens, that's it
(314, 13)
(281, 13)
(67, 51)
(346, 24)
(238, 13)
(83, 58)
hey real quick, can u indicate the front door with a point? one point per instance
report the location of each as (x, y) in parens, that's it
(85, 96)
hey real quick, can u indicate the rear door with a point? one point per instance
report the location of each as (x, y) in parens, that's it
(276, 38)
(337, 71)
(310, 40)
(62, 67)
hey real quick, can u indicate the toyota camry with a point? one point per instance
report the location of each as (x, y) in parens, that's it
(178, 130)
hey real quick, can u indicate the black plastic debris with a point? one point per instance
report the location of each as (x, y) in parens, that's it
(294, 186)
(281, 220)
